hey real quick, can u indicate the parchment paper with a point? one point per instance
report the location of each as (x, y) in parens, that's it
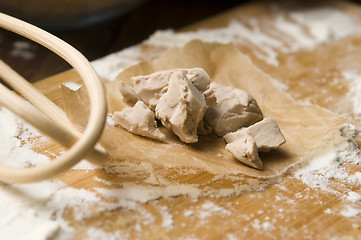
(303, 126)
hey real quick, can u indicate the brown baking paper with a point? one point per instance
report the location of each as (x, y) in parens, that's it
(303, 126)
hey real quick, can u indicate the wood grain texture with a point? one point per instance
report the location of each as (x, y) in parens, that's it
(288, 209)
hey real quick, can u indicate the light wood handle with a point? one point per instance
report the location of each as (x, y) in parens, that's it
(97, 116)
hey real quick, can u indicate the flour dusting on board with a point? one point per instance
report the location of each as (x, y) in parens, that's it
(354, 79)
(15, 146)
(46, 203)
(299, 29)
(329, 165)
(302, 29)
(110, 66)
(46, 210)
(23, 50)
(40, 209)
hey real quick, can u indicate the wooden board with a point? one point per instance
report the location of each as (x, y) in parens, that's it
(288, 209)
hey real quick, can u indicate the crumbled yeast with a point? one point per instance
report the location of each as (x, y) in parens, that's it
(188, 104)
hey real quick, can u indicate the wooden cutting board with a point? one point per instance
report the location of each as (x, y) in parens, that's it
(288, 209)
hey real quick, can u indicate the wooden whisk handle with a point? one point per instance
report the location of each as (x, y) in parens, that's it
(94, 128)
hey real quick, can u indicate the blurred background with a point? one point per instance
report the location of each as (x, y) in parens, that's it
(96, 28)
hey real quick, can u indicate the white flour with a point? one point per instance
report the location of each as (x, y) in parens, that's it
(23, 49)
(35, 211)
(354, 196)
(15, 148)
(110, 66)
(99, 234)
(330, 165)
(315, 27)
(208, 209)
(354, 79)
(39, 209)
(167, 220)
(350, 212)
(45, 203)
(299, 30)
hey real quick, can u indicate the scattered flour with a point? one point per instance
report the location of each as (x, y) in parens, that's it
(143, 194)
(99, 234)
(103, 181)
(210, 208)
(304, 29)
(354, 79)
(15, 147)
(256, 224)
(39, 209)
(329, 164)
(188, 213)
(353, 197)
(110, 66)
(23, 49)
(85, 165)
(325, 24)
(321, 171)
(167, 218)
(267, 226)
(300, 30)
(231, 237)
(328, 211)
(350, 212)
(311, 28)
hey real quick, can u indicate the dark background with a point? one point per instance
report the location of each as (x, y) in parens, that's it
(100, 39)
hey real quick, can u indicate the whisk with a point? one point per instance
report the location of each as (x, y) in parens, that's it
(48, 117)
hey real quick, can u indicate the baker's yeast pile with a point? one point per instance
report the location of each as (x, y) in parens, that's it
(185, 102)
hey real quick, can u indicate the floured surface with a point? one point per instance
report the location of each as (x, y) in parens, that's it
(321, 200)
(303, 126)
(340, 76)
